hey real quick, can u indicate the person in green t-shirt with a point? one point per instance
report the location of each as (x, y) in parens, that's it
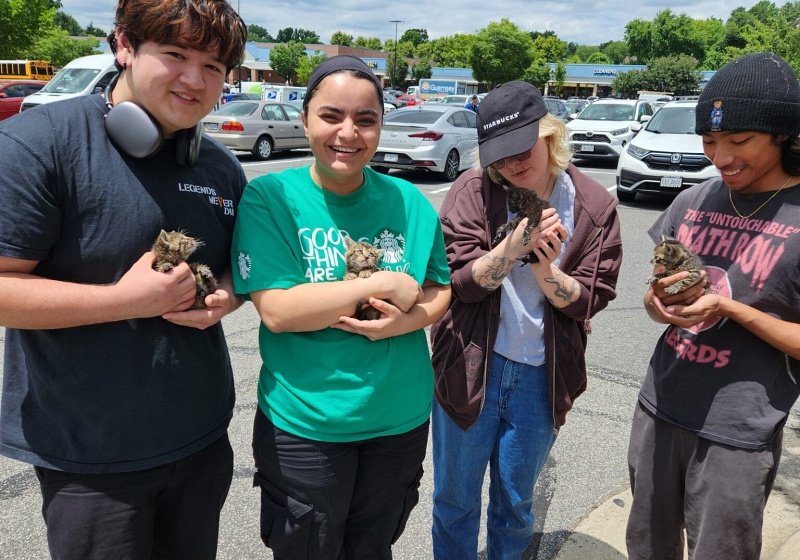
(342, 424)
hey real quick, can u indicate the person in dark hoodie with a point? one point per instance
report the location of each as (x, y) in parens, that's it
(509, 353)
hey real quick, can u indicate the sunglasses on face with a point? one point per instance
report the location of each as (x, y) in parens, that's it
(498, 165)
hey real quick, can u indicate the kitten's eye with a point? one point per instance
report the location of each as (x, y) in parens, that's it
(360, 252)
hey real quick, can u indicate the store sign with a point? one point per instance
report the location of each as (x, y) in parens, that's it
(605, 71)
(447, 87)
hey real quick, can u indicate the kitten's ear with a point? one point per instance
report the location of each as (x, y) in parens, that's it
(348, 242)
(163, 236)
(664, 237)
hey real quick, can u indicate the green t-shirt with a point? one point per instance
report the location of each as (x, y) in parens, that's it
(331, 385)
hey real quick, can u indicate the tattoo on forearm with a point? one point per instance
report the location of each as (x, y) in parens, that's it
(496, 269)
(566, 287)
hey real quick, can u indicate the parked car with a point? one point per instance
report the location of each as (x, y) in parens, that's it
(460, 100)
(433, 137)
(389, 98)
(388, 107)
(410, 100)
(12, 93)
(262, 127)
(666, 156)
(82, 76)
(603, 129)
(557, 108)
(228, 97)
(575, 106)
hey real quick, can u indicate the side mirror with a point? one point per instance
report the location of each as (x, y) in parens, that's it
(636, 127)
(3, 95)
(645, 118)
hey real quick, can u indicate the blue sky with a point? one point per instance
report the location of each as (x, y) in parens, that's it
(585, 22)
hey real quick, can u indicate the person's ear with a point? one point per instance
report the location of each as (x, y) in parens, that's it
(124, 47)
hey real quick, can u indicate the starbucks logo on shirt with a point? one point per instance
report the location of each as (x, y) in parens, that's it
(393, 245)
(245, 265)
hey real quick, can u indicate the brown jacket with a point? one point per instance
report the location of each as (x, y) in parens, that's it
(462, 340)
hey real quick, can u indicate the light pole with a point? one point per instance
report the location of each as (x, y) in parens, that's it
(394, 75)
(238, 11)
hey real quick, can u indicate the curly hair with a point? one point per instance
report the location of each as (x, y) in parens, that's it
(197, 24)
(559, 152)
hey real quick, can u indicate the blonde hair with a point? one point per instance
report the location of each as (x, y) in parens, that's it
(559, 152)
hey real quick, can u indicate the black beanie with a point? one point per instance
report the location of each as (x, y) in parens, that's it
(757, 92)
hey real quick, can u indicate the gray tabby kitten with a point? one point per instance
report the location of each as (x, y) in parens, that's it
(361, 260)
(174, 247)
(525, 204)
(670, 257)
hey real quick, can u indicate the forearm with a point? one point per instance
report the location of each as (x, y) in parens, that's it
(32, 302)
(559, 288)
(432, 307)
(490, 270)
(783, 335)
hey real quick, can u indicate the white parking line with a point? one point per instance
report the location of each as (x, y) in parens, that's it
(440, 190)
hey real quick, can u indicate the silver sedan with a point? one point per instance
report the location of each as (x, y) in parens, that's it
(261, 127)
(434, 137)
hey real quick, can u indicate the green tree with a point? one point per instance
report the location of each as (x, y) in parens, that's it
(341, 38)
(288, 34)
(307, 64)
(583, 52)
(415, 36)
(21, 22)
(676, 74)
(673, 35)
(453, 51)
(397, 73)
(67, 23)
(94, 31)
(421, 71)
(559, 77)
(639, 38)
(628, 83)
(58, 47)
(259, 34)
(550, 48)
(500, 53)
(598, 58)
(616, 51)
(285, 59)
(371, 43)
(538, 73)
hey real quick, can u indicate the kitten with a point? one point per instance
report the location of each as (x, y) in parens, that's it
(525, 204)
(174, 247)
(670, 257)
(361, 260)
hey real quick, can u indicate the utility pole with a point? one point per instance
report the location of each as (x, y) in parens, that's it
(239, 12)
(394, 74)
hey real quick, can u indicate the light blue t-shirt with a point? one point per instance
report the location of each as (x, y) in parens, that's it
(520, 337)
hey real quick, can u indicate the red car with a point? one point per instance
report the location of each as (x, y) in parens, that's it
(410, 99)
(13, 92)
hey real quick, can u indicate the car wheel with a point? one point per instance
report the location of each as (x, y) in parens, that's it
(626, 196)
(263, 148)
(380, 169)
(451, 166)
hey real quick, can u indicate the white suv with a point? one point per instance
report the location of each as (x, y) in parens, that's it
(603, 128)
(666, 156)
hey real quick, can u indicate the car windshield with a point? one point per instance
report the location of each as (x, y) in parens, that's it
(237, 109)
(672, 120)
(412, 117)
(607, 112)
(71, 80)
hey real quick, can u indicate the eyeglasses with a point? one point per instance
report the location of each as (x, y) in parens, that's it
(500, 164)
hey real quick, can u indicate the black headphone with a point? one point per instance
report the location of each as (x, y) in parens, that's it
(134, 131)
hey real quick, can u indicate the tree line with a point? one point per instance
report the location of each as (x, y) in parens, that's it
(674, 47)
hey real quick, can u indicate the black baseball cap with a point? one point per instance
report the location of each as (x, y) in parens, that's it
(508, 121)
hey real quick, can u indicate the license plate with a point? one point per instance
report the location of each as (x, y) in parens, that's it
(212, 126)
(390, 158)
(671, 182)
(587, 147)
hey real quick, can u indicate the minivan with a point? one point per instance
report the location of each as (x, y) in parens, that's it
(82, 76)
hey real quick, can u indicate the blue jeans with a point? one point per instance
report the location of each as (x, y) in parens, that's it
(513, 435)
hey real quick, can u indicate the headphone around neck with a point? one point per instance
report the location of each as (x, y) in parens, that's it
(134, 131)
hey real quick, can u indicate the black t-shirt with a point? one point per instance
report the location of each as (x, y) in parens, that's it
(718, 379)
(119, 396)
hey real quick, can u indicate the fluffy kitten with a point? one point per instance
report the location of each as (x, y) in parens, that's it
(361, 260)
(525, 204)
(670, 257)
(174, 247)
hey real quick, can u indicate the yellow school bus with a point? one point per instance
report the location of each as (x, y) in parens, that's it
(25, 70)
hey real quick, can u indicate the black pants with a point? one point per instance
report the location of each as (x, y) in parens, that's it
(169, 512)
(335, 501)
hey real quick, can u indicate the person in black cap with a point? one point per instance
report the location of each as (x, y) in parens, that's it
(509, 353)
(472, 103)
(707, 431)
(342, 425)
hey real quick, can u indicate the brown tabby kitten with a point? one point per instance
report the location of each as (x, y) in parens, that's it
(361, 260)
(525, 204)
(172, 248)
(670, 257)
